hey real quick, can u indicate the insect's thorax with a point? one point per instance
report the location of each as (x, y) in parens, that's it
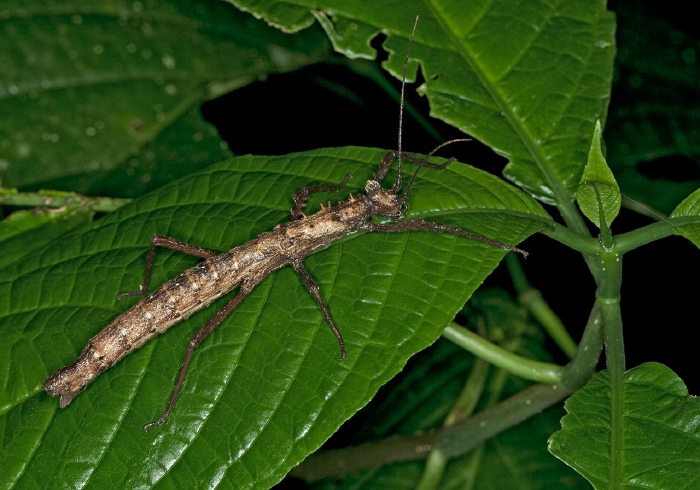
(320, 229)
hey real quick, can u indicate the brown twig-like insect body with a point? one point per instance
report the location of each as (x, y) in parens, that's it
(243, 267)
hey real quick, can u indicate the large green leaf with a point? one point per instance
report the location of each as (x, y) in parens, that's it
(528, 79)
(660, 432)
(98, 96)
(267, 387)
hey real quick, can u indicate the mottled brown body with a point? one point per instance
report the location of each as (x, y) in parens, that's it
(196, 288)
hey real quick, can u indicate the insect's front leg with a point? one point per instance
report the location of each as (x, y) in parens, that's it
(422, 225)
(164, 241)
(422, 162)
(384, 167)
(302, 195)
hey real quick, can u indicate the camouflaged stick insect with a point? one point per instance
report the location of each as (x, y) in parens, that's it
(245, 266)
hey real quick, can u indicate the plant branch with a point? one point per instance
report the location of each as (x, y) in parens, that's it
(581, 368)
(452, 441)
(58, 199)
(641, 236)
(608, 296)
(587, 245)
(464, 435)
(462, 409)
(543, 372)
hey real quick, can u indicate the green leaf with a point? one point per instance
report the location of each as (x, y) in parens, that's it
(532, 95)
(25, 232)
(690, 207)
(660, 432)
(103, 97)
(598, 194)
(267, 387)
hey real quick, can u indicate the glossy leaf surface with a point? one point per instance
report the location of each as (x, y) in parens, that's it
(268, 386)
(99, 95)
(532, 95)
(660, 427)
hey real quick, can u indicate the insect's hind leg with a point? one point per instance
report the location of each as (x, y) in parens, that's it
(302, 195)
(164, 241)
(197, 339)
(422, 225)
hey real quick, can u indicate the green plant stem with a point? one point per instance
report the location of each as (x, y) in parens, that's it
(576, 225)
(582, 366)
(572, 216)
(532, 299)
(624, 242)
(59, 199)
(452, 441)
(463, 408)
(646, 234)
(433, 471)
(466, 403)
(542, 372)
(465, 435)
(608, 296)
(587, 245)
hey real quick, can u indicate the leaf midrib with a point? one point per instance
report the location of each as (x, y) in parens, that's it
(560, 193)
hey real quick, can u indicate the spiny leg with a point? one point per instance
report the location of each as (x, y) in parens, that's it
(164, 241)
(389, 159)
(301, 196)
(423, 162)
(422, 225)
(194, 342)
(313, 289)
(384, 166)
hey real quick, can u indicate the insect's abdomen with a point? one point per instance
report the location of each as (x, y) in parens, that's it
(174, 301)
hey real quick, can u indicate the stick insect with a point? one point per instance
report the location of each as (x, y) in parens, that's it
(245, 266)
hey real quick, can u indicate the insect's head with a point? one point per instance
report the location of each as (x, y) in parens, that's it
(386, 202)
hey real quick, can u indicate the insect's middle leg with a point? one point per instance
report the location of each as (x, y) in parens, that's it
(302, 195)
(164, 241)
(313, 289)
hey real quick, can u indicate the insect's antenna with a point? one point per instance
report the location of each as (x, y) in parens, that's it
(397, 184)
(423, 162)
(643, 209)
